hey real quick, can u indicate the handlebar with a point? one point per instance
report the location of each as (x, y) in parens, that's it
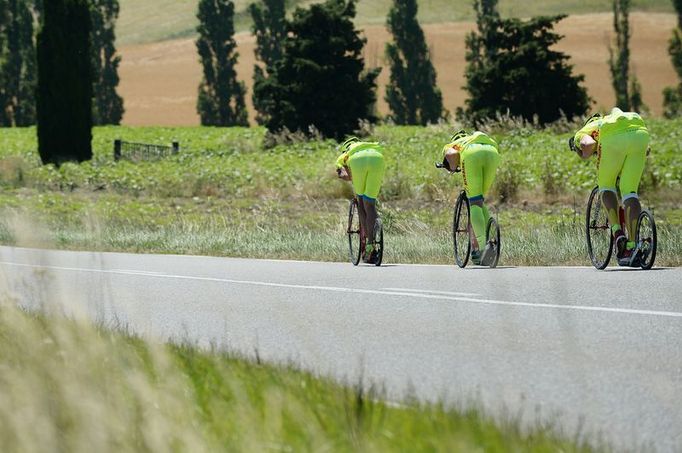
(441, 165)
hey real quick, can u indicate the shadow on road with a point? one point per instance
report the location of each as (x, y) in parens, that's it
(634, 269)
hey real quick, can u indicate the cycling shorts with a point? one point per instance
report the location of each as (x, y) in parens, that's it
(624, 155)
(479, 164)
(367, 170)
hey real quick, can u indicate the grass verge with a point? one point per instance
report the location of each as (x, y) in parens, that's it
(293, 229)
(67, 385)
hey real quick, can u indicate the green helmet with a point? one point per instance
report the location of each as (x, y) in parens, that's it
(345, 146)
(594, 117)
(459, 134)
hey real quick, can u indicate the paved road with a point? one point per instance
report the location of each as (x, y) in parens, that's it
(565, 344)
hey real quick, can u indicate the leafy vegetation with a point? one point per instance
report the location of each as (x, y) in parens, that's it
(231, 162)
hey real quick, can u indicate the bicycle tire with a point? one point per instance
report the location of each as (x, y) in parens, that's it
(495, 241)
(461, 230)
(354, 233)
(597, 229)
(650, 238)
(379, 241)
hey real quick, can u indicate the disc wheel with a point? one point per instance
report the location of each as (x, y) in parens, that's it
(492, 233)
(379, 242)
(461, 230)
(598, 232)
(354, 233)
(646, 239)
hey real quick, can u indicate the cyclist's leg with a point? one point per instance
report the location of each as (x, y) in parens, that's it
(611, 158)
(473, 162)
(630, 177)
(359, 171)
(375, 177)
(489, 171)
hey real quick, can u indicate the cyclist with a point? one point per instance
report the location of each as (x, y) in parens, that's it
(477, 155)
(620, 140)
(363, 164)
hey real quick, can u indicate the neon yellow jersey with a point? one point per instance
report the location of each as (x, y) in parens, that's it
(614, 123)
(342, 161)
(477, 138)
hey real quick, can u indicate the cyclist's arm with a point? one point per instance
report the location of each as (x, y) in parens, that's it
(588, 146)
(587, 139)
(342, 169)
(453, 158)
(341, 161)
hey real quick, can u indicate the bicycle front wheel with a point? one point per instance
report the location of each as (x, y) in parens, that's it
(492, 233)
(646, 239)
(460, 231)
(354, 233)
(598, 232)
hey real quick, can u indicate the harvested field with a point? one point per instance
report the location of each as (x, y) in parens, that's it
(159, 80)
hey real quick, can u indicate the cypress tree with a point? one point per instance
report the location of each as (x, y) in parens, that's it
(19, 66)
(270, 29)
(107, 104)
(619, 59)
(4, 18)
(411, 94)
(221, 96)
(65, 82)
(672, 96)
(321, 79)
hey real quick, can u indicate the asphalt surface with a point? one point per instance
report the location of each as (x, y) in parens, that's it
(589, 351)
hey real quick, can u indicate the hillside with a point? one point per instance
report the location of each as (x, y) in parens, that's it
(143, 21)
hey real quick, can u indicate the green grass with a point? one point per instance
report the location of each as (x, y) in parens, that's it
(176, 18)
(230, 162)
(225, 195)
(67, 385)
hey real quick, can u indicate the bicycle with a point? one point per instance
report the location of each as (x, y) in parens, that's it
(600, 237)
(357, 238)
(462, 231)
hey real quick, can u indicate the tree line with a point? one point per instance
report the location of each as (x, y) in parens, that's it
(310, 70)
(59, 67)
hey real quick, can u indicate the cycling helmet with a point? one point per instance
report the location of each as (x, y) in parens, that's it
(594, 117)
(459, 134)
(345, 146)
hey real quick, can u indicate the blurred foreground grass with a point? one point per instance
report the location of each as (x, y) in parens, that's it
(66, 385)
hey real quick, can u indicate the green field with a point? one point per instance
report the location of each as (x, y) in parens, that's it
(225, 195)
(155, 20)
(72, 386)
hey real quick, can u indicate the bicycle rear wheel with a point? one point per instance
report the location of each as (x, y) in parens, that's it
(354, 233)
(598, 232)
(492, 233)
(460, 231)
(646, 239)
(379, 241)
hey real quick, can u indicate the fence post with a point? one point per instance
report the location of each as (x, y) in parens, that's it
(117, 149)
(176, 147)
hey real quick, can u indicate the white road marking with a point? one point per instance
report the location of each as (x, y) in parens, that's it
(428, 291)
(127, 271)
(670, 314)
